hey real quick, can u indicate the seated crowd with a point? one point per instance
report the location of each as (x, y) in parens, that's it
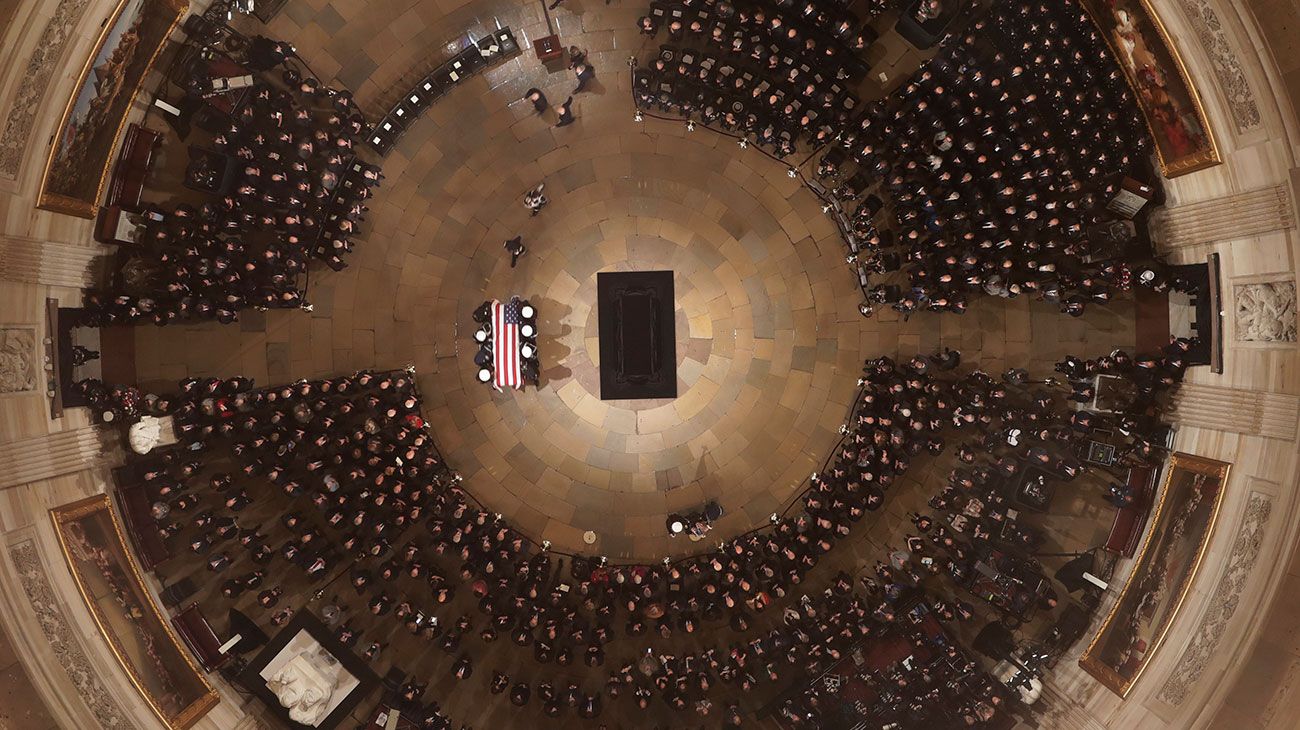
(300, 176)
(778, 72)
(339, 478)
(286, 185)
(995, 160)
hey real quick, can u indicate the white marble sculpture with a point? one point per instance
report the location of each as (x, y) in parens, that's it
(1266, 312)
(17, 359)
(305, 685)
(144, 435)
(149, 433)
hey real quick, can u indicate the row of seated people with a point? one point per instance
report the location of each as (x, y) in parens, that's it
(804, 643)
(1022, 428)
(821, 629)
(306, 440)
(298, 176)
(755, 71)
(297, 189)
(198, 264)
(1032, 441)
(814, 27)
(290, 444)
(357, 468)
(940, 685)
(740, 587)
(997, 158)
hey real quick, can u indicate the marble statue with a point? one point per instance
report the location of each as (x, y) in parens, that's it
(17, 359)
(144, 435)
(1266, 312)
(305, 685)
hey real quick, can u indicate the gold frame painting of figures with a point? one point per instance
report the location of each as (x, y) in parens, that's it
(1163, 89)
(1184, 519)
(90, 537)
(82, 151)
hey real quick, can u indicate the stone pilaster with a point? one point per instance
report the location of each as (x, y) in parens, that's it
(1250, 412)
(44, 457)
(52, 263)
(1233, 216)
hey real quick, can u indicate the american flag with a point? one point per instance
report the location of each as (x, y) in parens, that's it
(505, 344)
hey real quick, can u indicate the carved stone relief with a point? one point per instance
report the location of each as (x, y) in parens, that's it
(1232, 78)
(19, 364)
(1265, 311)
(36, 79)
(62, 637)
(1223, 603)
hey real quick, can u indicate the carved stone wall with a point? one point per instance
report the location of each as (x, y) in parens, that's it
(1264, 311)
(52, 263)
(1223, 603)
(19, 362)
(1227, 68)
(15, 137)
(62, 637)
(1235, 410)
(44, 457)
(1234, 216)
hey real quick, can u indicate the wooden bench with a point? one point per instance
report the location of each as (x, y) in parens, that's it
(198, 635)
(135, 502)
(132, 167)
(1126, 530)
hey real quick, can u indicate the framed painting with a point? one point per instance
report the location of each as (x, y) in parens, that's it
(1162, 574)
(82, 151)
(1169, 102)
(90, 537)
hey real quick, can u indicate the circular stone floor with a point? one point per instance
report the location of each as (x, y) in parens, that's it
(764, 378)
(769, 340)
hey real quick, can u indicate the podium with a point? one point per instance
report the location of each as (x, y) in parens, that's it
(548, 48)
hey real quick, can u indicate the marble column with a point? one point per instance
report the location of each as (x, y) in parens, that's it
(251, 722)
(52, 263)
(1235, 410)
(1062, 710)
(1242, 215)
(62, 452)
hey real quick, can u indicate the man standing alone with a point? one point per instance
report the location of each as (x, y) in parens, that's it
(515, 247)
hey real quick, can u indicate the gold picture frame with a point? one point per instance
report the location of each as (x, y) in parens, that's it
(90, 537)
(1171, 556)
(77, 154)
(1162, 88)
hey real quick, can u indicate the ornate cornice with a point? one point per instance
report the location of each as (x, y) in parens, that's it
(1204, 19)
(1223, 603)
(62, 637)
(44, 61)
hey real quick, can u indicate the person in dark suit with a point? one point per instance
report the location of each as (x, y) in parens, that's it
(565, 113)
(537, 99)
(265, 54)
(515, 247)
(585, 73)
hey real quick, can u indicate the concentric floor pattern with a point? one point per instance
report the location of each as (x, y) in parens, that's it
(761, 376)
(769, 339)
